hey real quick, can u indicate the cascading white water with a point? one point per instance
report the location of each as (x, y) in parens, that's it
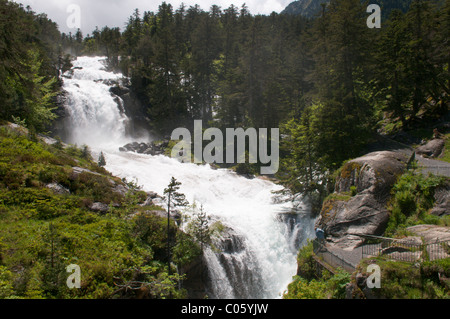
(95, 119)
(258, 259)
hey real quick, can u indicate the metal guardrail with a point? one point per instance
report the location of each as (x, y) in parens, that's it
(401, 250)
(394, 249)
(330, 258)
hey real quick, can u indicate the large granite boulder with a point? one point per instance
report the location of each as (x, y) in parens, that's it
(362, 190)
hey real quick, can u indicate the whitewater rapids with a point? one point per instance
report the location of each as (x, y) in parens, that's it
(245, 205)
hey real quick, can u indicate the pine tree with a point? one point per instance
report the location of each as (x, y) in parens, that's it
(53, 272)
(199, 228)
(205, 45)
(101, 160)
(29, 50)
(339, 76)
(391, 74)
(173, 199)
(86, 153)
(304, 169)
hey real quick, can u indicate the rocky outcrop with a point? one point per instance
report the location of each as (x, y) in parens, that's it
(76, 171)
(362, 191)
(312, 8)
(305, 8)
(130, 104)
(196, 278)
(99, 208)
(154, 148)
(58, 189)
(433, 148)
(431, 233)
(442, 197)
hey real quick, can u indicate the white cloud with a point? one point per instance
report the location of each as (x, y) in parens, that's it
(115, 13)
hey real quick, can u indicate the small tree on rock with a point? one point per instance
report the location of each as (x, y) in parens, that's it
(173, 199)
(199, 228)
(101, 160)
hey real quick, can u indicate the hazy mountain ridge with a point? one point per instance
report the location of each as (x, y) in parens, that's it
(310, 8)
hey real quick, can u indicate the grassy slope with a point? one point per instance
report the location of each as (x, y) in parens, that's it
(42, 232)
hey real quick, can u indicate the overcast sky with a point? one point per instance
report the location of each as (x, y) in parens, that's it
(115, 13)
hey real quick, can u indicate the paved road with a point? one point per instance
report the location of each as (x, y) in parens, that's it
(435, 167)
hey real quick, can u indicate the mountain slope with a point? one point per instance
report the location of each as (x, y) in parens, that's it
(306, 8)
(58, 207)
(310, 8)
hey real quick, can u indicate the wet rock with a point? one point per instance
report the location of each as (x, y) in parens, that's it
(161, 145)
(153, 149)
(119, 90)
(239, 264)
(149, 151)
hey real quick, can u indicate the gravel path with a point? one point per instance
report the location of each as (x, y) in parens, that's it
(352, 257)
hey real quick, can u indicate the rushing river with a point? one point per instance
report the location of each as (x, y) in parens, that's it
(258, 258)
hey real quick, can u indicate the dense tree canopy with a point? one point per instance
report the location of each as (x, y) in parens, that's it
(328, 82)
(30, 59)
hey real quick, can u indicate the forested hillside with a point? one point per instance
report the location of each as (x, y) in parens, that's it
(330, 83)
(31, 58)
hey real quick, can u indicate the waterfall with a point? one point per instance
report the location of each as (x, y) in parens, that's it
(95, 118)
(256, 256)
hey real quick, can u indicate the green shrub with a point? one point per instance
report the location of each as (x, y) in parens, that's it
(337, 283)
(6, 284)
(305, 262)
(326, 287)
(412, 198)
(406, 202)
(301, 288)
(308, 284)
(402, 280)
